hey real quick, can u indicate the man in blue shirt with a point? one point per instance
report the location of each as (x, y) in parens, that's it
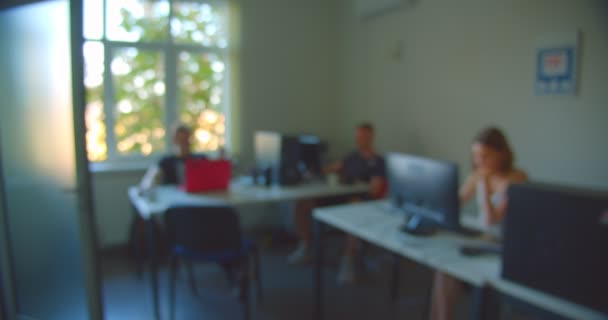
(170, 169)
(363, 165)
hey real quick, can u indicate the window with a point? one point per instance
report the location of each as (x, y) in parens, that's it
(148, 65)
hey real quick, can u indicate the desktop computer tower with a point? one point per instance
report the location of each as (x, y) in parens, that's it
(289, 171)
(555, 241)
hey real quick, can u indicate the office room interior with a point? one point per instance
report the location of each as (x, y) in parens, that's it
(427, 74)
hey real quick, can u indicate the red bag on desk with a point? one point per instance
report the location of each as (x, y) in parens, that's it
(206, 175)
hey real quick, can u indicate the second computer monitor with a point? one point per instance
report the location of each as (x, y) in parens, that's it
(287, 159)
(426, 190)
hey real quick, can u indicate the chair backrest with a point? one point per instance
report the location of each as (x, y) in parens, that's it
(203, 229)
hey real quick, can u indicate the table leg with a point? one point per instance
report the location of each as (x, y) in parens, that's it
(152, 256)
(395, 278)
(318, 270)
(137, 251)
(485, 304)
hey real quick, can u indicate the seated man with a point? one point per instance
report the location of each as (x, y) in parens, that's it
(361, 165)
(170, 169)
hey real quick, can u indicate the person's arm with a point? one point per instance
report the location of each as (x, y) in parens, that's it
(378, 184)
(152, 177)
(492, 214)
(467, 190)
(377, 187)
(496, 213)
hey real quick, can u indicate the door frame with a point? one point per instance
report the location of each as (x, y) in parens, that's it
(86, 215)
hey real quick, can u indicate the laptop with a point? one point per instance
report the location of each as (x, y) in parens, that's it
(556, 240)
(203, 175)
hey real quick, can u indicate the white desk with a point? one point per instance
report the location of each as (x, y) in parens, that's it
(239, 194)
(374, 223)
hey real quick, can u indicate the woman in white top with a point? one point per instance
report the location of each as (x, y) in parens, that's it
(493, 171)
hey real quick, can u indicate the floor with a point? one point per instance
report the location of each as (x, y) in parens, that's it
(288, 290)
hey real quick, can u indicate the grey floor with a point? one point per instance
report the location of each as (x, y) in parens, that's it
(288, 290)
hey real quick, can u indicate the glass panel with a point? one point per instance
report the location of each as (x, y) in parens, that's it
(137, 20)
(93, 19)
(200, 84)
(97, 149)
(38, 162)
(139, 101)
(200, 23)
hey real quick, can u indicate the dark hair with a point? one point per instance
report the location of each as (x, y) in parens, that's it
(366, 126)
(493, 137)
(181, 128)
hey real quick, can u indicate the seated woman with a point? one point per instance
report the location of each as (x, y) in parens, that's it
(493, 171)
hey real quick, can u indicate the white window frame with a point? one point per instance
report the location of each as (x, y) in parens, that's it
(169, 50)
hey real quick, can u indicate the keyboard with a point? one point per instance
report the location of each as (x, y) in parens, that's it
(469, 232)
(477, 249)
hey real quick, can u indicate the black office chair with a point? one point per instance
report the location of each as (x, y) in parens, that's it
(211, 234)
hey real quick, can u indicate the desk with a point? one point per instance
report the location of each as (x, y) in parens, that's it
(239, 194)
(373, 222)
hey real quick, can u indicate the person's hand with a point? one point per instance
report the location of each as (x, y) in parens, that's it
(482, 172)
(377, 187)
(483, 176)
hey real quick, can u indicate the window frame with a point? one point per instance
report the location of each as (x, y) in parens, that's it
(170, 50)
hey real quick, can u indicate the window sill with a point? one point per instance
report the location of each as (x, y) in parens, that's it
(110, 167)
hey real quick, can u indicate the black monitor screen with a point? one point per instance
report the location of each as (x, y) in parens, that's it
(424, 188)
(311, 150)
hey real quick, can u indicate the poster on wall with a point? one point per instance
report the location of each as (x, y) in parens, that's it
(556, 64)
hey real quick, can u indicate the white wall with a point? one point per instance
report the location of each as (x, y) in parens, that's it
(288, 69)
(111, 205)
(433, 73)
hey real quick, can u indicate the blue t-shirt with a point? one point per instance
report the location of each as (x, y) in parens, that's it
(356, 168)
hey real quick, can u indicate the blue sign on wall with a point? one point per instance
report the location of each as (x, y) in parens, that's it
(555, 71)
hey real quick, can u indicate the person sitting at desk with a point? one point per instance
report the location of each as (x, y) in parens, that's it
(170, 169)
(493, 171)
(361, 166)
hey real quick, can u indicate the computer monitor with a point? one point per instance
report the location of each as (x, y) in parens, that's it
(286, 159)
(555, 240)
(426, 190)
(267, 147)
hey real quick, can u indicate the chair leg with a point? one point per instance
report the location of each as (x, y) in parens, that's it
(172, 275)
(191, 278)
(394, 285)
(244, 283)
(135, 248)
(258, 275)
